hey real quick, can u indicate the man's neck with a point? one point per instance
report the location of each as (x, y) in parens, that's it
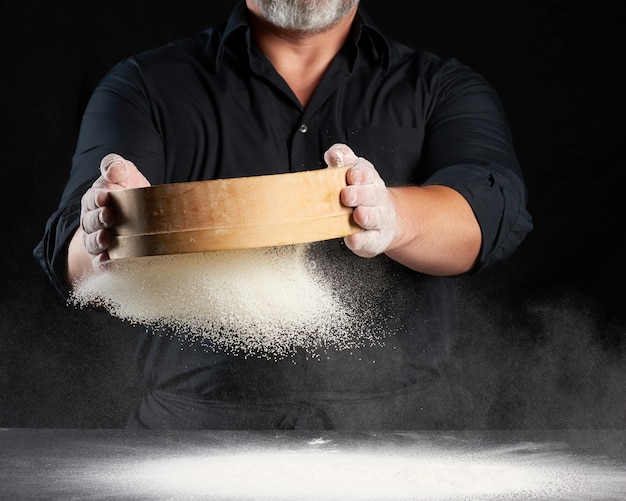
(301, 58)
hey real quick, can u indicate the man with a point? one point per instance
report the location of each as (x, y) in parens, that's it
(289, 85)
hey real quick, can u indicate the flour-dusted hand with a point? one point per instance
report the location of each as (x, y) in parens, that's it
(97, 215)
(373, 202)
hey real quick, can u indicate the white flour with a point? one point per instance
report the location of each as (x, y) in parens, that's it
(262, 301)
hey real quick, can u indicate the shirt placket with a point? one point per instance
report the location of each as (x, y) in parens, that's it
(305, 144)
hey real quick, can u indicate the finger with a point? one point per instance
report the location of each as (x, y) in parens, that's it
(97, 242)
(339, 155)
(363, 172)
(359, 243)
(368, 218)
(102, 198)
(90, 221)
(101, 262)
(88, 201)
(369, 195)
(94, 198)
(97, 219)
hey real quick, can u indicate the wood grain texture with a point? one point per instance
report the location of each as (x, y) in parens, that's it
(227, 214)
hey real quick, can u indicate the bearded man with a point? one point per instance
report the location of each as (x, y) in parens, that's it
(285, 86)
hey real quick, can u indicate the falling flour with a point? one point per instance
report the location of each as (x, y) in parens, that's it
(267, 301)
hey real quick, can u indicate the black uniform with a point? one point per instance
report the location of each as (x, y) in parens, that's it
(213, 106)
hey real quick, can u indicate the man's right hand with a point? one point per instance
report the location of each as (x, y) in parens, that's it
(92, 240)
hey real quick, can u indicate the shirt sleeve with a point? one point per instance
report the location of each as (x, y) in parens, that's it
(118, 119)
(468, 147)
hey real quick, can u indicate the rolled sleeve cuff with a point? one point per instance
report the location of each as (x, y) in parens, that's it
(498, 198)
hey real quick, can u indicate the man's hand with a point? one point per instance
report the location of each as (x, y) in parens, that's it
(430, 229)
(93, 238)
(373, 203)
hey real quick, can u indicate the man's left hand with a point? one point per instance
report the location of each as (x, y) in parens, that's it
(373, 202)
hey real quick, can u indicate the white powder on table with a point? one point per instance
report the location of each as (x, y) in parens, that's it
(265, 302)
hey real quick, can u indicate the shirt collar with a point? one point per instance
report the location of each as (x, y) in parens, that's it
(367, 36)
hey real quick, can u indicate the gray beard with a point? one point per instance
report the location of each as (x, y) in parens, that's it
(304, 15)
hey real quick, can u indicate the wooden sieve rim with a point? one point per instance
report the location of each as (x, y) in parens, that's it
(234, 213)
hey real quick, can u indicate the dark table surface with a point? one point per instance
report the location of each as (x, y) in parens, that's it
(178, 465)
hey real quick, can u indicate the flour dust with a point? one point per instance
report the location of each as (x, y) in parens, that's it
(267, 302)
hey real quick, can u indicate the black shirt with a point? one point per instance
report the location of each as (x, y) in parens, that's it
(212, 106)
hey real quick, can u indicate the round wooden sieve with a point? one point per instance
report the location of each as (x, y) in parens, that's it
(227, 214)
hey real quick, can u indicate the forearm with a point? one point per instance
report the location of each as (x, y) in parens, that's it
(78, 259)
(437, 231)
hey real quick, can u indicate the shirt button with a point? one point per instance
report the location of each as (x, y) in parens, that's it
(303, 128)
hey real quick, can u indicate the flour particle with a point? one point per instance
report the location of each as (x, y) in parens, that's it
(267, 301)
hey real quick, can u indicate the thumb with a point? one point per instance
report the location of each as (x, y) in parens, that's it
(339, 155)
(116, 169)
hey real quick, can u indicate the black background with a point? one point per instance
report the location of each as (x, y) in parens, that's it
(542, 334)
